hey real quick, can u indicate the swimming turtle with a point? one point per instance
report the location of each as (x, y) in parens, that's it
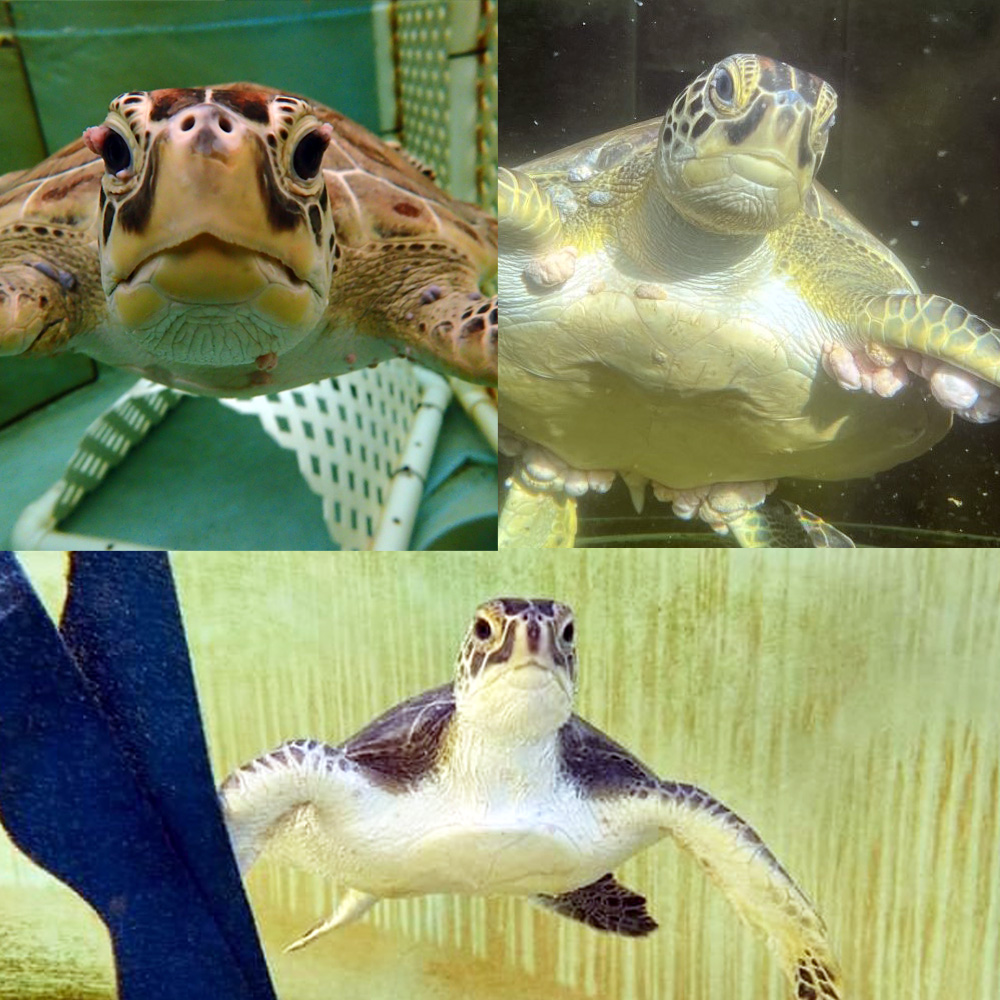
(237, 240)
(491, 785)
(683, 305)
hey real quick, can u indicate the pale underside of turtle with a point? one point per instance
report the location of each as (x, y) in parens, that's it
(490, 785)
(236, 240)
(638, 341)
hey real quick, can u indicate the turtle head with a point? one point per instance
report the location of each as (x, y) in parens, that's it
(517, 667)
(740, 147)
(216, 235)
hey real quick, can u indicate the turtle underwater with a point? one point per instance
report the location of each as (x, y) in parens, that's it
(685, 306)
(237, 240)
(491, 785)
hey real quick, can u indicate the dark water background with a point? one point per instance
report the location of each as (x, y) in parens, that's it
(917, 139)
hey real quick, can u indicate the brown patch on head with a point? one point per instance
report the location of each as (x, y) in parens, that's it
(251, 104)
(168, 102)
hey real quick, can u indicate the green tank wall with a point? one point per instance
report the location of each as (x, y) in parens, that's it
(846, 706)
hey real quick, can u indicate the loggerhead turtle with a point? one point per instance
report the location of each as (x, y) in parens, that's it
(236, 240)
(490, 784)
(684, 305)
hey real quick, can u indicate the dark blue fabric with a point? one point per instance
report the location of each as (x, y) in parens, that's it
(105, 781)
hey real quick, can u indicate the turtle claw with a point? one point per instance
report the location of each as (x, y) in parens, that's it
(884, 371)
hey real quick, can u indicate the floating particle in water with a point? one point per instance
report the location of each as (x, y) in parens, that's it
(913, 222)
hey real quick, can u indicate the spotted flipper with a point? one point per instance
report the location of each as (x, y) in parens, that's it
(637, 804)
(536, 519)
(529, 219)
(753, 881)
(780, 524)
(606, 905)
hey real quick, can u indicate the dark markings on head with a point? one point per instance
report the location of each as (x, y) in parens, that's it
(514, 605)
(249, 103)
(324, 199)
(737, 131)
(134, 213)
(169, 102)
(109, 218)
(700, 125)
(282, 212)
(316, 222)
(499, 655)
(775, 76)
(805, 150)
(783, 121)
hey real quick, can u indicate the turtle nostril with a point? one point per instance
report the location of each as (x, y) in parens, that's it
(187, 124)
(225, 124)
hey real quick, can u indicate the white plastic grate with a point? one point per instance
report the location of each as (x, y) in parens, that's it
(422, 34)
(349, 435)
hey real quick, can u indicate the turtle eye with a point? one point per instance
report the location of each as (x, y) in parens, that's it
(308, 156)
(115, 153)
(568, 632)
(483, 629)
(723, 88)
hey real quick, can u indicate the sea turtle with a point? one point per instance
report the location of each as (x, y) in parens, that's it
(491, 785)
(684, 305)
(236, 240)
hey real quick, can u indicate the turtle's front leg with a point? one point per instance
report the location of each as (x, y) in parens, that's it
(46, 283)
(928, 336)
(454, 332)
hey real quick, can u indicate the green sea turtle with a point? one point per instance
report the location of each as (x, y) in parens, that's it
(683, 305)
(236, 240)
(491, 785)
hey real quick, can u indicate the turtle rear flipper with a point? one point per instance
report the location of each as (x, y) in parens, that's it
(606, 905)
(778, 524)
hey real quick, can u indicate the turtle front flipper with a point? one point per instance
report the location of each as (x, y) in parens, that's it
(606, 905)
(529, 219)
(957, 352)
(37, 307)
(750, 877)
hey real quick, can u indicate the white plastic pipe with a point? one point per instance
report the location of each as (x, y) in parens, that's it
(407, 487)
